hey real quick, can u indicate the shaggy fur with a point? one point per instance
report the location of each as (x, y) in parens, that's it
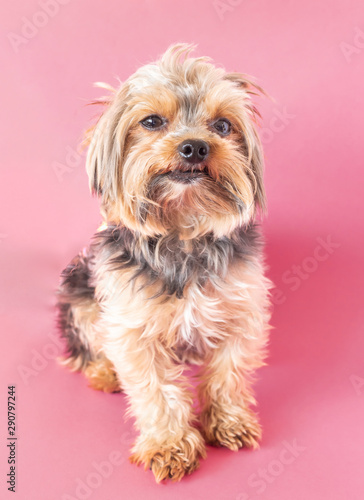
(175, 275)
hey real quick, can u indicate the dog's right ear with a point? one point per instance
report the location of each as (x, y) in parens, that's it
(105, 142)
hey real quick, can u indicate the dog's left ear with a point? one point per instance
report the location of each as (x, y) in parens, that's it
(250, 135)
(106, 142)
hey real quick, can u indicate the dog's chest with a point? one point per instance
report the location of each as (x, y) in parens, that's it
(175, 291)
(198, 321)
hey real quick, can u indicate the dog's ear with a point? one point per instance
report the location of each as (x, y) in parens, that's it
(106, 141)
(250, 135)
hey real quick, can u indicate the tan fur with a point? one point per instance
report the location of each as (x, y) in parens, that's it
(223, 327)
(141, 339)
(101, 375)
(121, 168)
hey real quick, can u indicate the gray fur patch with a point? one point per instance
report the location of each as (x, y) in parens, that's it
(73, 289)
(168, 261)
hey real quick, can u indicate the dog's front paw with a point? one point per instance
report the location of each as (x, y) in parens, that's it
(171, 459)
(233, 427)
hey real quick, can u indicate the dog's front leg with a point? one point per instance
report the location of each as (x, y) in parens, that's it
(225, 394)
(167, 443)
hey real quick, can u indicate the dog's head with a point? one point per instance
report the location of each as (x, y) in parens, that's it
(176, 149)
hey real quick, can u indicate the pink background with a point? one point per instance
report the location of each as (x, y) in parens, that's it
(310, 57)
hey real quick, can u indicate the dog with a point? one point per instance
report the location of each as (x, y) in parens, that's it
(175, 275)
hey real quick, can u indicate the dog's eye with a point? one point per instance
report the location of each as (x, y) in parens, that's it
(222, 126)
(153, 122)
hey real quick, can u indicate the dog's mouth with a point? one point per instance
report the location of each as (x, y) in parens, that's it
(188, 175)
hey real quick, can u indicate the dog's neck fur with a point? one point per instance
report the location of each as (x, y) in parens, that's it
(174, 262)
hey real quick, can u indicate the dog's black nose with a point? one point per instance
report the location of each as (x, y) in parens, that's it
(194, 151)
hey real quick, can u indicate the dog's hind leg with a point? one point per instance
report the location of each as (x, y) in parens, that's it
(78, 313)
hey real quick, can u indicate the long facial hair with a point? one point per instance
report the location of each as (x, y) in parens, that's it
(132, 170)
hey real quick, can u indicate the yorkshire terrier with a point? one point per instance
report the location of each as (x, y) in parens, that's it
(175, 275)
